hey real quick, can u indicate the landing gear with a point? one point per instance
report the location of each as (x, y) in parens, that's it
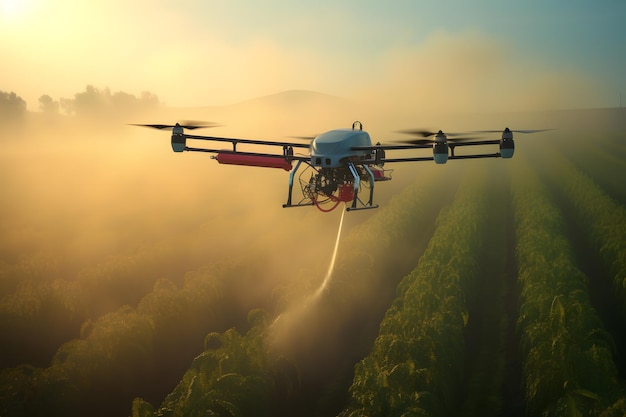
(326, 188)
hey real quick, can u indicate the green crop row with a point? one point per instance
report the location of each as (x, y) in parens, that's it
(118, 354)
(599, 216)
(568, 365)
(234, 376)
(43, 307)
(602, 162)
(416, 364)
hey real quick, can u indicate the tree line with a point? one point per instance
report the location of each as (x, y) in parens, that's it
(92, 102)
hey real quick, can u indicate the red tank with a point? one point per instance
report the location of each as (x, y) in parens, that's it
(346, 192)
(254, 160)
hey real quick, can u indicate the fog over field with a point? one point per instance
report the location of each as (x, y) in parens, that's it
(102, 224)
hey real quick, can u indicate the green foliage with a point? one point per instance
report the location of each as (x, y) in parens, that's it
(118, 353)
(602, 218)
(236, 376)
(12, 106)
(417, 360)
(416, 364)
(41, 307)
(568, 365)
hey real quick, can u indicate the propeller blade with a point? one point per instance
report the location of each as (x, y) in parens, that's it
(417, 132)
(185, 124)
(307, 138)
(416, 141)
(426, 133)
(464, 139)
(530, 131)
(197, 124)
(514, 131)
(427, 141)
(153, 126)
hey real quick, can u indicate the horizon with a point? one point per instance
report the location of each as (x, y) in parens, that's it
(164, 105)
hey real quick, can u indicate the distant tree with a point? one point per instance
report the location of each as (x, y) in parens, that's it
(67, 104)
(12, 106)
(91, 101)
(48, 105)
(123, 101)
(149, 100)
(94, 102)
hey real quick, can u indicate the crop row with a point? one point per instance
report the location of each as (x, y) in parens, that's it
(602, 220)
(416, 364)
(42, 308)
(568, 364)
(602, 159)
(235, 375)
(118, 354)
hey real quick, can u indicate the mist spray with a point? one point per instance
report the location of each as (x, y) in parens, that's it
(331, 267)
(284, 324)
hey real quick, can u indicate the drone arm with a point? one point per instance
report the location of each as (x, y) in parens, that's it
(486, 155)
(390, 147)
(451, 145)
(430, 158)
(413, 159)
(223, 151)
(475, 143)
(236, 141)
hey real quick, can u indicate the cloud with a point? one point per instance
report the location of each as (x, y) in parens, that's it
(471, 72)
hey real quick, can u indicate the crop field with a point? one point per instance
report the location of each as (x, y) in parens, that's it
(478, 288)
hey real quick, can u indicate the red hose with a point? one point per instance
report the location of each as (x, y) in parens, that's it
(337, 201)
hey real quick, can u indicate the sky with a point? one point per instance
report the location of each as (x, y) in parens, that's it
(436, 54)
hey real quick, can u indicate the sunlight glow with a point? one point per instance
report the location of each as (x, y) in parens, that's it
(13, 9)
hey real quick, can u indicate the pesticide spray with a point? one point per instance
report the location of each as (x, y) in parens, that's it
(331, 267)
(284, 324)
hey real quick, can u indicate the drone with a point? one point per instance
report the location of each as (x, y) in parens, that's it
(342, 165)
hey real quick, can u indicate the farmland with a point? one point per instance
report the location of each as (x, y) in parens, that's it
(478, 288)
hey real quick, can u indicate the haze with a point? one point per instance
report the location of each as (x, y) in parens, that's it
(417, 57)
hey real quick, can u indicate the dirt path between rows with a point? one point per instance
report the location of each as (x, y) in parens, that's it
(493, 366)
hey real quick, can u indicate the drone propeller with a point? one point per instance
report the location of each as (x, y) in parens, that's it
(514, 131)
(426, 133)
(185, 124)
(450, 137)
(428, 141)
(305, 138)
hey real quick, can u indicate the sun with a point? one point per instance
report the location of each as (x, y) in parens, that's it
(13, 9)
